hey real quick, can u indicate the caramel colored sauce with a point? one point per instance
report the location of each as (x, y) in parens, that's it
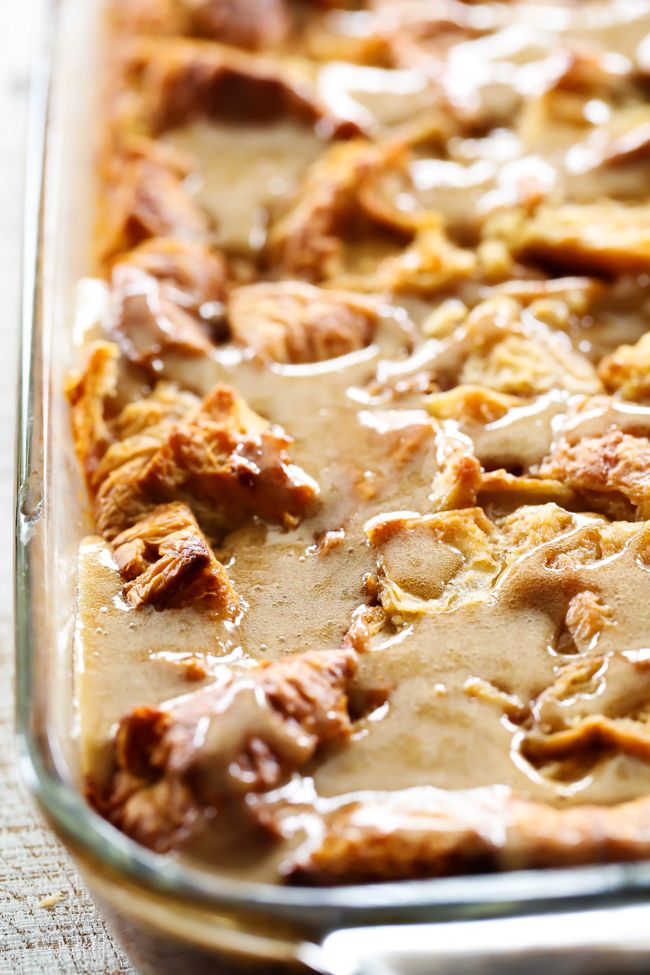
(463, 675)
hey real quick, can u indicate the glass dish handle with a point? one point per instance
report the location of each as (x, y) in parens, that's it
(598, 942)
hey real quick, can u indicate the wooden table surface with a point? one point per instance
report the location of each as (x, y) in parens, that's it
(48, 924)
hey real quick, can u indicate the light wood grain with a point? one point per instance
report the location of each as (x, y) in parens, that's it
(48, 923)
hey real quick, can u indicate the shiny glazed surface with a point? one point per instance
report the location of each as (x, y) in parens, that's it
(478, 454)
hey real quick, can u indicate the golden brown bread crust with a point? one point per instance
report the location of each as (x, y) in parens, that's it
(224, 459)
(196, 273)
(220, 455)
(613, 466)
(148, 325)
(429, 265)
(468, 554)
(505, 348)
(597, 704)
(168, 564)
(470, 403)
(232, 464)
(292, 321)
(163, 294)
(136, 433)
(426, 832)
(246, 733)
(307, 241)
(587, 616)
(150, 201)
(627, 370)
(253, 24)
(180, 80)
(606, 238)
(459, 476)
(89, 394)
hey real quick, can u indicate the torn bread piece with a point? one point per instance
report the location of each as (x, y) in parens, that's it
(150, 200)
(168, 564)
(90, 393)
(223, 459)
(601, 238)
(219, 456)
(612, 470)
(597, 706)
(164, 296)
(626, 371)
(436, 563)
(428, 832)
(252, 24)
(292, 321)
(244, 734)
(179, 80)
(307, 241)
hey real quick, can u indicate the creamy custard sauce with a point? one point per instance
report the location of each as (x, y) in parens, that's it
(458, 680)
(265, 163)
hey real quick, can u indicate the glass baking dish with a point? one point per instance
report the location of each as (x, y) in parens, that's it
(169, 916)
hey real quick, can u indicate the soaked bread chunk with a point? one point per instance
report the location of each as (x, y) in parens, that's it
(431, 833)
(476, 404)
(597, 705)
(339, 229)
(168, 563)
(255, 25)
(307, 240)
(222, 458)
(459, 477)
(192, 273)
(246, 733)
(428, 564)
(162, 296)
(604, 238)
(627, 370)
(500, 489)
(482, 361)
(502, 346)
(231, 462)
(219, 455)
(149, 202)
(104, 443)
(591, 456)
(89, 394)
(429, 265)
(586, 618)
(292, 321)
(516, 355)
(180, 80)
(612, 470)
(141, 426)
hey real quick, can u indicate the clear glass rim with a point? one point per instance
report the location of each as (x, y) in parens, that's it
(457, 898)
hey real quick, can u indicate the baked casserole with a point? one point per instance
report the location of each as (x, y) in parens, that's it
(364, 420)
